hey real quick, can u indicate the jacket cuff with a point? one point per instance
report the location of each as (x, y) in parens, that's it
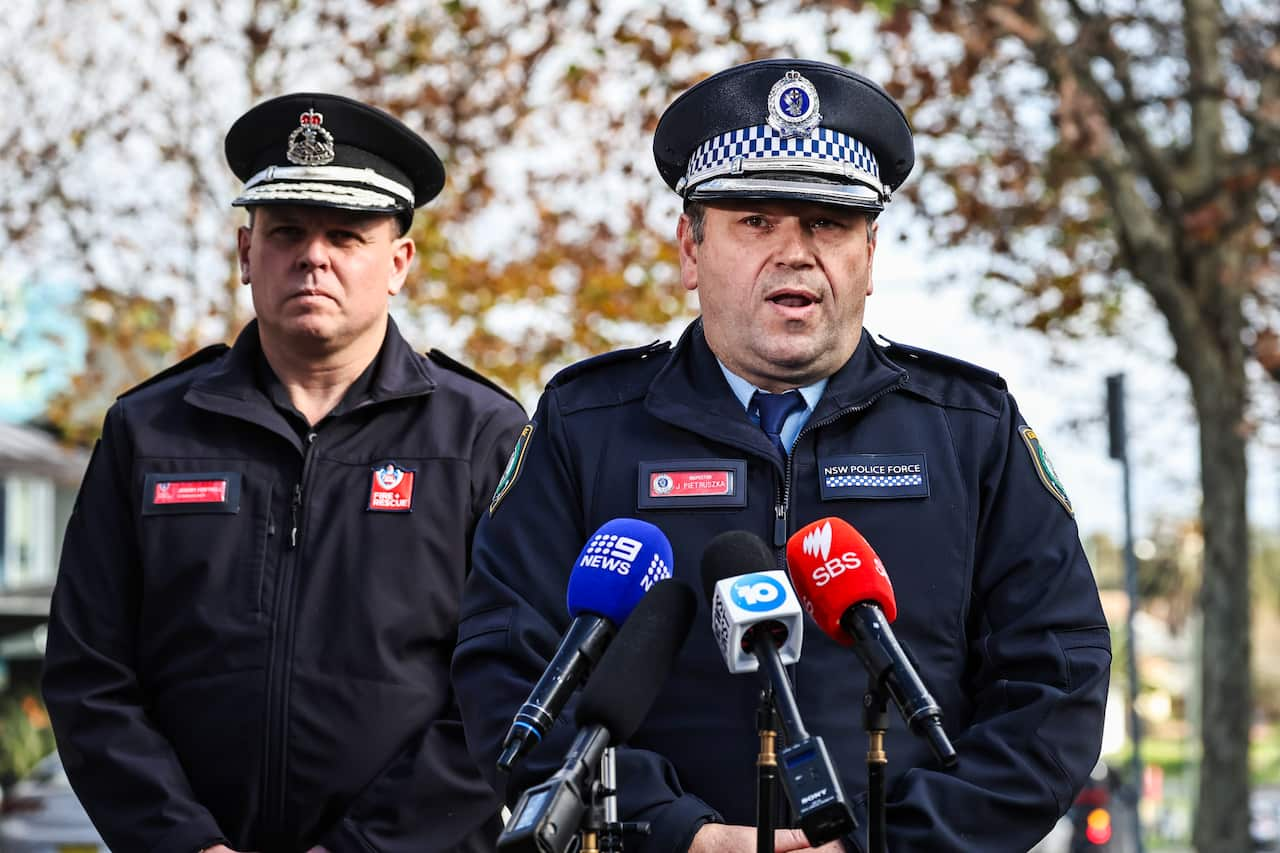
(190, 838)
(345, 837)
(853, 842)
(673, 825)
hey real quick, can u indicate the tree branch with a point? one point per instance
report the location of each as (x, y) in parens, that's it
(1205, 90)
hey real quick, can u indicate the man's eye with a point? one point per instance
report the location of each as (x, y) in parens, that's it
(755, 221)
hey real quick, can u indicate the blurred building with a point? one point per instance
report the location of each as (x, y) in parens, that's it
(38, 483)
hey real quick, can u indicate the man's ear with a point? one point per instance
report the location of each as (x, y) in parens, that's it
(873, 233)
(688, 253)
(244, 237)
(402, 252)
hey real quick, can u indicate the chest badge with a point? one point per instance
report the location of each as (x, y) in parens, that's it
(392, 489)
(203, 492)
(684, 483)
(873, 476)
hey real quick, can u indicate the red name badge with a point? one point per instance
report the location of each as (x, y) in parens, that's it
(169, 493)
(685, 484)
(392, 489)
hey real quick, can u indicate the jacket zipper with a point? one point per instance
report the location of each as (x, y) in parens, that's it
(781, 509)
(279, 670)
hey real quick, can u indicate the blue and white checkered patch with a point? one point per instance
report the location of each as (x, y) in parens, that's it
(763, 148)
(874, 476)
(875, 481)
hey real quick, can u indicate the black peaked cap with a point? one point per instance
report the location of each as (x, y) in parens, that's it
(737, 98)
(363, 137)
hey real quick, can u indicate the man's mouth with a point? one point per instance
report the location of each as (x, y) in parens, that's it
(793, 299)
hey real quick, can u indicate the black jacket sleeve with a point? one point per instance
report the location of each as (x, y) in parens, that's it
(1040, 657)
(401, 809)
(122, 768)
(513, 615)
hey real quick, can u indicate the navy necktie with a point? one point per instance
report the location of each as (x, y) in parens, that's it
(773, 411)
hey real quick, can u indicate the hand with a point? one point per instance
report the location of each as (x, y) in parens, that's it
(219, 848)
(724, 838)
(318, 849)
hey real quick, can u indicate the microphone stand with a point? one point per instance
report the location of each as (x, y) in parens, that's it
(875, 720)
(600, 827)
(766, 771)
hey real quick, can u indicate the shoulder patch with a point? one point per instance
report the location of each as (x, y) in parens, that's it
(191, 362)
(1048, 476)
(458, 367)
(906, 355)
(614, 357)
(514, 464)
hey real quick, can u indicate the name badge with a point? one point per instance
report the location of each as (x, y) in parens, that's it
(678, 483)
(874, 476)
(198, 492)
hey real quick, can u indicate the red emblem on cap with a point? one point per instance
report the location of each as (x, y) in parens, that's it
(392, 489)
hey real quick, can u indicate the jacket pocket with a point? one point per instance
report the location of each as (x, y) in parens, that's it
(202, 550)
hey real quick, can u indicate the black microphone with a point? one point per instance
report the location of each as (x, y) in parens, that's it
(617, 566)
(614, 704)
(755, 609)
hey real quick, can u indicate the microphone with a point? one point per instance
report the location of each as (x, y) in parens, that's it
(743, 605)
(758, 625)
(618, 565)
(613, 705)
(844, 587)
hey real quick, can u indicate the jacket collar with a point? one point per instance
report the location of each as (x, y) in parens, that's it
(231, 386)
(690, 391)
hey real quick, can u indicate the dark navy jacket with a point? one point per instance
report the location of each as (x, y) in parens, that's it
(261, 659)
(995, 597)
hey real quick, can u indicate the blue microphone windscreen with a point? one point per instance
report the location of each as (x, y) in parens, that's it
(618, 565)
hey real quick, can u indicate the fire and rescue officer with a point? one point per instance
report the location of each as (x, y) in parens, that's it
(779, 394)
(258, 594)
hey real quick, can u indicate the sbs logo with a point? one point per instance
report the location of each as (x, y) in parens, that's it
(817, 542)
(757, 593)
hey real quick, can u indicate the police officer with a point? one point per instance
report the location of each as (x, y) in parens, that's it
(783, 166)
(258, 593)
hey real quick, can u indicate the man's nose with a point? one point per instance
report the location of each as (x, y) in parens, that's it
(795, 244)
(314, 253)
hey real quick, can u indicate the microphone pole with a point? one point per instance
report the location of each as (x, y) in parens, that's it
(875, 720)
(766, 771)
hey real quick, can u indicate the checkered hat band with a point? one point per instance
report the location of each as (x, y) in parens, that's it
(760, 145)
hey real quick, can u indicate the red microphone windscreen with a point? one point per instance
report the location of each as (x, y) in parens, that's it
(833, 568)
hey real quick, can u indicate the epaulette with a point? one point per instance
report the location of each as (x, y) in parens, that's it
(906, 355)
(458, 367)
(613, 357)
(194, 360)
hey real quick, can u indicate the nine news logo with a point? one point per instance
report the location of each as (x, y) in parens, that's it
(613, 553)
(757, 593)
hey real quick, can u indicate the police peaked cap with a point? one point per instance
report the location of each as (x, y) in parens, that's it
(787, 129)
(324, 150)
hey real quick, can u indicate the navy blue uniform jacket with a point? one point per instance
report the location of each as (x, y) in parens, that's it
(271, 669)
(995, 597)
